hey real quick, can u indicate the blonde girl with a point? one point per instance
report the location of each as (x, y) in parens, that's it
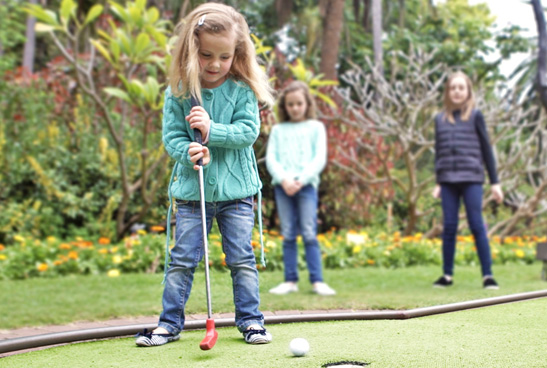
(214, 60)
(462, 151)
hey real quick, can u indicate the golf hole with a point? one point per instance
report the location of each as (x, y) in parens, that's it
(345, 364)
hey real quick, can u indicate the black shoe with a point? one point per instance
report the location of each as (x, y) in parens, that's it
(490, 284)
(442, 282)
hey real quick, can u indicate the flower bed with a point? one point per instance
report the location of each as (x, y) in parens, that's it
(144, 252)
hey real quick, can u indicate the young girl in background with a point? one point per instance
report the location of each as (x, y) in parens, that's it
(214, 59)
(462, 150)
(295, 157)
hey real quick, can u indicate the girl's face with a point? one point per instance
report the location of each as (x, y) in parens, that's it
(458, 91)
(216, 53)
(296, 105)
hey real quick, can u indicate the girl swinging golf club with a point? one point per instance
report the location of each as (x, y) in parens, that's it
(214, 60)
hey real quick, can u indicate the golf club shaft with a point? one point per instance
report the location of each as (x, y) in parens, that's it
(198, 139)
(205, 245)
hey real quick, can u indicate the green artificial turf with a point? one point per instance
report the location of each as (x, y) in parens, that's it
(36, 302)
(508, 335)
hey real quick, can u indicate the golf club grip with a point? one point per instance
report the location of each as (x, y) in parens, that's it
(197, 132)
(197, 136)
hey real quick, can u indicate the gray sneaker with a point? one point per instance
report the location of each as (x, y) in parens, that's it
(256, 337)
(151, 339)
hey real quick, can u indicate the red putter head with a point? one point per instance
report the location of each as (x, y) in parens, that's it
(211, 336)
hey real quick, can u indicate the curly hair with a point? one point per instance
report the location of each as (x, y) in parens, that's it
(216, 18)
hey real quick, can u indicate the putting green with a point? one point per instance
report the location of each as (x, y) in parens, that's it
(508, 335)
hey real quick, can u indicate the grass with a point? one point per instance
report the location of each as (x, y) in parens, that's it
(36, 302)
(509, 335)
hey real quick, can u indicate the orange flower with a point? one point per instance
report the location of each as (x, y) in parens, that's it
(103, 251)
(64, 246)
(57, 263)
(2, 247)
(370, 261)
(42, 267)
(157, 228)
(104, 241)
(73, 255)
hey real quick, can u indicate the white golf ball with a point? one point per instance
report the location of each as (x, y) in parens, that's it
(299, 347)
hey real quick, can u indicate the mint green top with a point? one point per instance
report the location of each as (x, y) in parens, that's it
(235, 125)
(297, 150)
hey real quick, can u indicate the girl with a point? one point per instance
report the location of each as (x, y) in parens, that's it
(461, 147)
(296, 155)
(214, 59)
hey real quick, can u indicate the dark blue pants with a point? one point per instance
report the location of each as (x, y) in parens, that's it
(451, 193)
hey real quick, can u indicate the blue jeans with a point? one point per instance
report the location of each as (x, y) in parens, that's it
(472, 198)
(298, 214)
(235, 221)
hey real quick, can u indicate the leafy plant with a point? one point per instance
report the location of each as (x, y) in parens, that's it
(134, 53)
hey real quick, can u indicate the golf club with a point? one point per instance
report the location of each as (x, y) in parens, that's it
(211, 334)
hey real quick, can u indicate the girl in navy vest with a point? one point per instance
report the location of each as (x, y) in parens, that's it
(462, 152)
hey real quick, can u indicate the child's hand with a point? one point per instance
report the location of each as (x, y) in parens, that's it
(197, 151)
(199, 119)
(497, 192)
(436, 191)
(291, 187)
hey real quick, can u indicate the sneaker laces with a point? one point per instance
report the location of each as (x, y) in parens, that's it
(252, 332)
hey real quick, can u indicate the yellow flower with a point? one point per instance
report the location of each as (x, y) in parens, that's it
(519, 253)
(353, 238)
(116, 259)
(356, 249)
(113, 273)
(18, 238)
(141, 232)
(73, 255)
(51, 239)
(103, 251)
(370, 261)
(42, 267)
(3, 257)
(270, 244)
(57, 263)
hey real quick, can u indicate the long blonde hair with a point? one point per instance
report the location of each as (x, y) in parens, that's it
(467, 107)
(215, 18)
(282, 114)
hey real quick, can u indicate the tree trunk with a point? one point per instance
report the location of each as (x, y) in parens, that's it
(402, 13)
(377, 35)
(183, 11)
(30, 43)
(332, 12)
(366, 16)
(542, 52)
(356, 9)
(283, 8)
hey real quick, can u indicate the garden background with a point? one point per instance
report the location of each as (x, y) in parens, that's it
(83, 185)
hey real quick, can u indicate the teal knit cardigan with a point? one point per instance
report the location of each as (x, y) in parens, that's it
(232, 172)
(235, 125)
(297, 150)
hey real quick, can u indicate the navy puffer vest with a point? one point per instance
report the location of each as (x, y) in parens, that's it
(458, 156)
